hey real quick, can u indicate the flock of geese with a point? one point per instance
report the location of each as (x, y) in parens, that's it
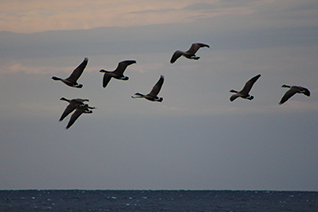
(80, 107)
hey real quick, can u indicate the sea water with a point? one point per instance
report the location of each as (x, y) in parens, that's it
(157, 200)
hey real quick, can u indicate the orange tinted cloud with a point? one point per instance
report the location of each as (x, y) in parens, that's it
(36, 15)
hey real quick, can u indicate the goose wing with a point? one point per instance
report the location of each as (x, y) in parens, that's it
(234, 96)
(70, 108)
(78, 71)
(122, 66)
(195, 47)
(291, 92)
(74, 117)
(106, 79)
(176, 55)
(249, 84)
(157, 87)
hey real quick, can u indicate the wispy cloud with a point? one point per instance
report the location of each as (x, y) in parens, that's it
(35, 15)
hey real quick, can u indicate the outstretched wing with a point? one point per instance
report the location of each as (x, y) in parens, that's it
(157, 87)
(249, 84)
(78, 71)
(123, 65)
(176, 55)
(234, 96)
(195, 47)
(106, 79)
(74, 117)
(70, 108)
(291, 92)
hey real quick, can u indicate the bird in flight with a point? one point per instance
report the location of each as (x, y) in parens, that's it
(118, 73)
(244, 93)
(152, 96)
(72, 79)
(73, 104)
(190, 54)
(292, 91)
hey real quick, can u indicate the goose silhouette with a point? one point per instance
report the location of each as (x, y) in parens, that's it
(190, 53)
(118, 73)
(73, 104)
(244, 93)
(72, 79)
(152, 96)
(292, 91)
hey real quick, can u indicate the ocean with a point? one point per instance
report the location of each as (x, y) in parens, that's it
(158, 200)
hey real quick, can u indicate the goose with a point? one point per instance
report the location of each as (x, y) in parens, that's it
(292, 91)
(73, 103)
(72, 79)
(244, 93)
(117, 73)
(152, 96)
(190, 54)
(79, 111)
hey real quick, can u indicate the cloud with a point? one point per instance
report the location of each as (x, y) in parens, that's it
(19, 67)
(153, 38)
(201, 6)
(153, 11)
(37, 16)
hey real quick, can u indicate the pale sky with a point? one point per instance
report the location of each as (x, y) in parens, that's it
(196, 138)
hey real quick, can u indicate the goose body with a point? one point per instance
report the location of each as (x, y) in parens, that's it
(152, 96)
(292, 91)
(78, 112)
(73, 104)
(72, 79)
(244, 93)
(190, 53)
(118, 73)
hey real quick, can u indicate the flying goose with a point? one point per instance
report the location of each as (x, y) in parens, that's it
(292, 91)
(79, 111)
(190, 54)
(117, 73)
(152, 96)
(244, 93)
(72, 79)
(73, 103)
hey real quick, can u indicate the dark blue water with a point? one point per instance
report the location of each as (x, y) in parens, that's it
(153, 200)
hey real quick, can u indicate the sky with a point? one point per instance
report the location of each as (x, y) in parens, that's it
(195, 138)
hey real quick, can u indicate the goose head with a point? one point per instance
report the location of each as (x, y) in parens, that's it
(139, 94)
(285, 86)
(63, 98)
(56, 78)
